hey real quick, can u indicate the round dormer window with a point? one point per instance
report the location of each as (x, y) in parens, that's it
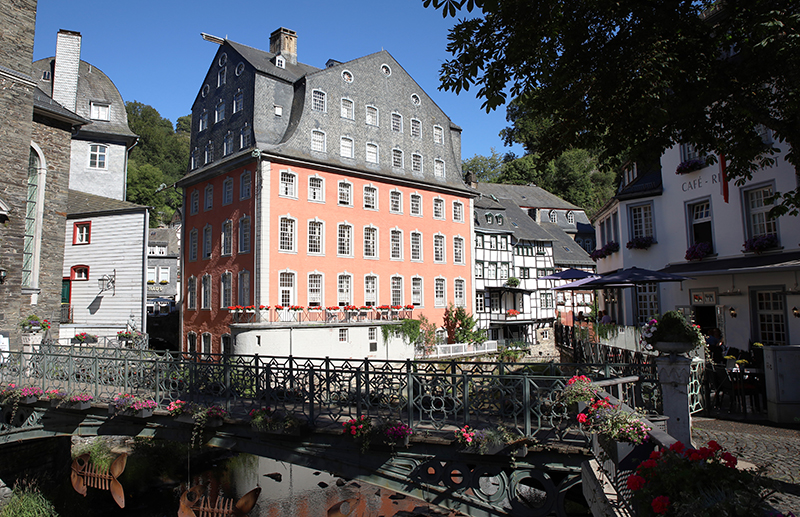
(386, 70)
(347, 76)
(239, 69)
(205, 90)
(415, 99)
(223, 59)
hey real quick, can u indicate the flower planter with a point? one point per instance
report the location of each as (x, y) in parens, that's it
(57, 403)
(214, 422)
(28, 400)
(185, 418)
(80, 406)
(625, 455)
(142, 413)
(673, 347)
(31, 338)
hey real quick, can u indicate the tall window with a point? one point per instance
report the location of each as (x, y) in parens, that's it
(205, 292)
(226, 240)
(370, 242)
(203, 124)
(316, 191)
(344, 289)
(553, 216)
(372, 153)
(244, 137)
(244, 288)
(641, 221)
(244, 185)
(238, 101)
(396, 244)
(288, 186)
(416, 290)
(345, 193)
(397, 290)
(546, 300)
(286, 286)
(439, 292)
(759, 222)
(479, 270)
(344, 244)
(314, 237)
(81, 232)
(438, 248)
(207, 240)
(459, 293)
(416, 204)
(97, 156)
(227, 144)
(438, 208)
(416, 246)
(194, 203)
(219, 112)
(438, 135)
(225, 289)
(318, 100)
(458, 211)
(346, 147)
(416, 162)
(244, 235)
(347, 109)
(397, 122)
(395, 201)
(370, 290)
(416, 127)
(286, 237)
(372, 115)
(458, 250)
(701, 228)
(191, 293)
(315, 290)
(191, 342)
(397, 158)
(318, 141)
(193, 245)
(438, 168)
(571, 217)
(227, 191)
(770, 313)
(646, 302)
(370, 198)
(208, 199)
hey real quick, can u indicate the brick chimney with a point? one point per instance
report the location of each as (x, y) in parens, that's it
(284, 42)
(65, 76)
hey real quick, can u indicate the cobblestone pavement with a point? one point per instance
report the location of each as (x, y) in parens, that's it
(762, 444)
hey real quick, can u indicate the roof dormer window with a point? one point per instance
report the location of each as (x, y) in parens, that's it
(100, 111)
(280, 62)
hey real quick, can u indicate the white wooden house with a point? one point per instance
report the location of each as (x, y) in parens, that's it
(105, 261)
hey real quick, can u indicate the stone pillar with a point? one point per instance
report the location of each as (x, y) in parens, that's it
(673, 374)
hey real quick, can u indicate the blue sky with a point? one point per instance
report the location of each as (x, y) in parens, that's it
(154, 53)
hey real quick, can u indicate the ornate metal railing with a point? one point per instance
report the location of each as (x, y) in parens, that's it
(322, 391)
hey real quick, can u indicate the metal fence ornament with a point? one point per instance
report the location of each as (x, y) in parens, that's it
(194, 503)
(86, 474)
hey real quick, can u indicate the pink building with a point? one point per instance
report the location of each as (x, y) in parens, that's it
(319, 188)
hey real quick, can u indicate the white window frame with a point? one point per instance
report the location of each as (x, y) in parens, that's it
(458, 250)
(227, 144)
(395, 201)
(244, 234)
(238, 101)
(438, 202)
(287, 184)
(99, 111)
(438, 168)
(98, 156)
(417, 291)
(439, 252)
(416, 246)
(319, 141)
(438, 135)
(372, 109)
(226, 289)
(371, 233)
(344, 289)
(319, 101)
(219, 111)
(348, 110)
(316, 194)
(376, 147)
(321, 225)
(458, 211)
(416, 128)
(416, 207)
(202, 125)
(226, 239)
(440, 291)
(287, 294)
(346, 147)
(397, 158)
(396, 288)
(344, 248)
(244, 137)
(287, 226)
(374, 194)
(641, 220)
(371, 283)
(459, 284)
(570, 217)
(206, 292)
(758, 216)
(315, 292)
(395, 244)
(208, 241)
(397, 122)
(344, 187)
(417, 163)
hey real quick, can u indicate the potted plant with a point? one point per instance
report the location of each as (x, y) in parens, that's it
(698, 251)
(640, 243)
(130, 405)
(512, 313)
(578, 389)
(512, 281)
(55, 396)
(760, 244)
(83, 337)
(31, 327)
(398, 434)
(618, 434)
(30, 394)
(678, 481)
(687, 166)
(359, 429)
(181, 410)
(671, 333)
(80, 401)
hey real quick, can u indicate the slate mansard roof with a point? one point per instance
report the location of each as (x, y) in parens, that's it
(81, 204)
(375, 80)
(93, 86)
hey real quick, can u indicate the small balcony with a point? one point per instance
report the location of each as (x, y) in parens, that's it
(278, 315)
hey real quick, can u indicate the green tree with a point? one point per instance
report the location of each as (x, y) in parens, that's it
(638, 76)
(461, 326)
(486, 169)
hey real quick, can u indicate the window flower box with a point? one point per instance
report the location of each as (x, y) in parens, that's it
(83, 337)
(687, 166)
(605, 251)
(641, 243)
(698, 251)
(760, 244)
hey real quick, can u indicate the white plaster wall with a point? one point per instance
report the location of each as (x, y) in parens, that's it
(108, 182)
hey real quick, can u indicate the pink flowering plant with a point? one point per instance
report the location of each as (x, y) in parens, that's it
(179, 407)
(398, 432)
(80, 397)
(31, 391)
(578, 389)
(614, 422)
(682, 482)
(54, 394)
(465, 436)
(359, 428)
(125, 401)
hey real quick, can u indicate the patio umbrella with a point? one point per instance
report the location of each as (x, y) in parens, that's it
(573, 286)
(568, 274)
(634, 276)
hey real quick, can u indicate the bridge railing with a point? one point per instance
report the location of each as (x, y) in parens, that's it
(324, 391)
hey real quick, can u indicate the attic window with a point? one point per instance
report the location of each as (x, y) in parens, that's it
(489, 219)
(46, 75)
(570, 217)
(239, 69)
(499, 220)
(223, 58)
(280, 62)
(278, 110)
(347, 76)
(415, 99)
(205, 90)
(99, 111)
(386, 70)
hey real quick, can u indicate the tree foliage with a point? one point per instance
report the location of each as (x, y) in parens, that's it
(636, 77)
(461, 326)
(160, 158)
(486, 169)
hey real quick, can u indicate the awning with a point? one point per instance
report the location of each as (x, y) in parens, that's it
(764, 263)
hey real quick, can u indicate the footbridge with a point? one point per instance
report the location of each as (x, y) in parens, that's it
(535, 469)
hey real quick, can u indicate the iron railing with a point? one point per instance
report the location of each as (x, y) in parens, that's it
(322, 391)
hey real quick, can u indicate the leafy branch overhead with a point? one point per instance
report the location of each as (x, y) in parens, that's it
(633, 78)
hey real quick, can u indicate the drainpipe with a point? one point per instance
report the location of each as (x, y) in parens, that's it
(255, 229)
